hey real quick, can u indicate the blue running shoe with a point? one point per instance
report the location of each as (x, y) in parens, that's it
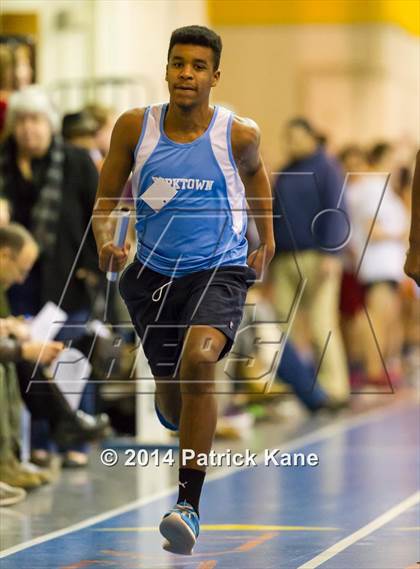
(180, 527)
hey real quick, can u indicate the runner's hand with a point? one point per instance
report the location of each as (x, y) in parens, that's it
(112, 258)
(260, 259)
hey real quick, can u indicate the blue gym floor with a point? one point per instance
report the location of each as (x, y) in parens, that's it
(359, 509)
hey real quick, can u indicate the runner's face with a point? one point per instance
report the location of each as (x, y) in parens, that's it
(190, 74)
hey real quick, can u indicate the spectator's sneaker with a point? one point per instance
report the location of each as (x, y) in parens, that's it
(44, 474)
(10, 496)
(75, 459)
(13, 475)
(180, 526)
(41, 458)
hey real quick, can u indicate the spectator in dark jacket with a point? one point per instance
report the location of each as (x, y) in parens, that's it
(51, 186)
(310, 226)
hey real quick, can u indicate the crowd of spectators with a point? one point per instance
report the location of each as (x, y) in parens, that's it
(47, 191)
(315, 328)
(335, 316)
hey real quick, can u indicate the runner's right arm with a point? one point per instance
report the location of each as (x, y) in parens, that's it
(114, 174)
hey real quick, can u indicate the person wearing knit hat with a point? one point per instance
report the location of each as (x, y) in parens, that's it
(32, 100)
(51, 188)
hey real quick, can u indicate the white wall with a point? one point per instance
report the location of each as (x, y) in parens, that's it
(357, 83)
(132, 38)
(60, 53)
(108, 38)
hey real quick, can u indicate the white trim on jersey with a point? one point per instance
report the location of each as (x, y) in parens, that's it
(234, 185)
(150, 137)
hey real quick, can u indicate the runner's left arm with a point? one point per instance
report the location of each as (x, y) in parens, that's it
(246, 150)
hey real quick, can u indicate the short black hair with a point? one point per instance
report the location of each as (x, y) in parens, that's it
(198, 35)
(302, 122)
(378, 151)
(351, 150)
(79, 124)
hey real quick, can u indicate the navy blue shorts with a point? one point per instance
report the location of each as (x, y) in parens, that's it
(163, 308)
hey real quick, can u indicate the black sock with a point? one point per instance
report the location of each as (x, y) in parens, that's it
(190, 485)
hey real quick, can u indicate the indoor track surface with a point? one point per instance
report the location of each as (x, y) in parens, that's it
(358, 509)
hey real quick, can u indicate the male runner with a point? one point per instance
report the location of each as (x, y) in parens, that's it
(193, 165)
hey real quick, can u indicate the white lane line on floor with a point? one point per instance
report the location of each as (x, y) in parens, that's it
(319, 435)
(362, 532)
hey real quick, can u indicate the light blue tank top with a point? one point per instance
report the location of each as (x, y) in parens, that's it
(190, 200)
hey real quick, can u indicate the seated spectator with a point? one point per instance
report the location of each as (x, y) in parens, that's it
(18, 252)
(51, 186)
(18, 249)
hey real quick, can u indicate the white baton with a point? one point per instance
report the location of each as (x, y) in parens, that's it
(119, 236)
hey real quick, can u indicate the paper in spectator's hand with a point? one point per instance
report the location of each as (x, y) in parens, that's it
(47, 323)
(70, 372)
